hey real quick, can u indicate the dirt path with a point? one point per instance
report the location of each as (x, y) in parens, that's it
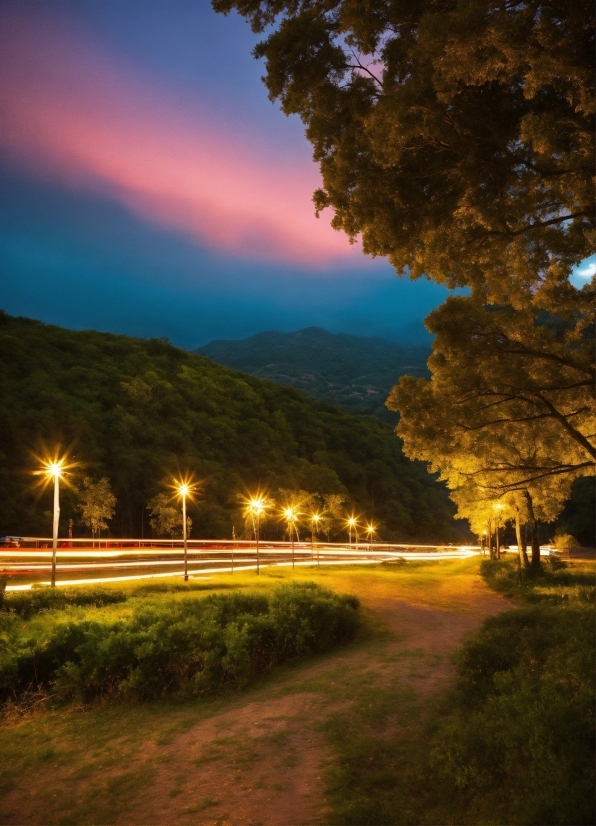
(259, 760)
(260, 763)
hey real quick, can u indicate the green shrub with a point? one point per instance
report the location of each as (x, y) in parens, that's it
(189, 645)
(565, 542)
(521, 729)
(27, 603)
(555, 582)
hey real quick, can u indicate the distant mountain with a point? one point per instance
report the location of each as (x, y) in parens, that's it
(142, 412)
(355, 372)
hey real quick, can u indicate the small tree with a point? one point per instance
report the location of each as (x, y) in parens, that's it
(97, 504)
(333, 514)
(165, 516)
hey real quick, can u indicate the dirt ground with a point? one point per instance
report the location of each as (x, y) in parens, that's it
(260, 758)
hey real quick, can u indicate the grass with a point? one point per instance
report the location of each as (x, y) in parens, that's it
(106, 740)
(386, 759)
(512, 742)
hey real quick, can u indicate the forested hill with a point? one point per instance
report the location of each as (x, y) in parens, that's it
(137, 411)
(356, 372)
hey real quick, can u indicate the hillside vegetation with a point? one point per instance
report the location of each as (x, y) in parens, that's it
(138, 412)
(356, 372)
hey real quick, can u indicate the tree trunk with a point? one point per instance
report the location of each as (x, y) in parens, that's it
(522, 553)
(534, 531)
(490, 540)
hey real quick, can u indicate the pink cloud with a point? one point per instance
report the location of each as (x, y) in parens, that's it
(70, 114)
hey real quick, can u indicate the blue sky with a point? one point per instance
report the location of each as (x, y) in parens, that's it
(149, 187)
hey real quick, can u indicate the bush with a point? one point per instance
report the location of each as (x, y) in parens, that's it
(555, 582)
(190, 645)
(27, 603)
(521, 737)
(565, 542)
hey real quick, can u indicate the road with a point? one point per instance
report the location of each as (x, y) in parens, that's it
(117, 560)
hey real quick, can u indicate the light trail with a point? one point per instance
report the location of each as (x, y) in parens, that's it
(207, 557)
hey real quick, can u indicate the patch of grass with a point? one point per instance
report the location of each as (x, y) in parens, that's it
(205, 803)
(556, 582)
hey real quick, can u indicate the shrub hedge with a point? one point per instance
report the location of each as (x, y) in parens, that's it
(190, 645)
(517, 741)
(27, 603)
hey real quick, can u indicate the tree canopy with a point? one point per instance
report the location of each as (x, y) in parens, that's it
(509, 412)
(455, 136)
(507, 384)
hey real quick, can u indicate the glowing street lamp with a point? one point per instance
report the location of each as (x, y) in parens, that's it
(183, 491)
(290, 515)
(54, 470)
(370, 530)
(255, 508)
(352, 524)
(314, 521)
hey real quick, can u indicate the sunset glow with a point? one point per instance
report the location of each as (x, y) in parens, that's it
(75, 116)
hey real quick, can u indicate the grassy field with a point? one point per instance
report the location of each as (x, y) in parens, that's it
(353, 735)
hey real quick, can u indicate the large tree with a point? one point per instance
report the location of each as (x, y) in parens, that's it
(509, 412)
(502, 375)
(455, 136)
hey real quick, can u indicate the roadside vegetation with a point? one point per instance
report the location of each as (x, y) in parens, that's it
(145, 646)
(502, 736)
(512, 742)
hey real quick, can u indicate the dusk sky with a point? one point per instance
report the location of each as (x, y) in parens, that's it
(149, 187)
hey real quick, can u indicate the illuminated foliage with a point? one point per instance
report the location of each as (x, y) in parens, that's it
(456, 138)
(509, 408)
(97, 504)
(166, 518)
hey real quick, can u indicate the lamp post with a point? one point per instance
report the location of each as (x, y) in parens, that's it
(290, 514)
(315, 519)
(55, 470)
(183, 491)
(370, 530)
(256, 508)
(352, 524)
(498, 508)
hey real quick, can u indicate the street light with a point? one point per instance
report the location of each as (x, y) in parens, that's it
(255, 508)
(54, 470)
(498, 507)
(185, 488)
(183, 491)
(314, 519)
(352, 523)
(290, 515)
(370, 530)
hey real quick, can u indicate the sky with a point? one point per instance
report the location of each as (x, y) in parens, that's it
(149, 187)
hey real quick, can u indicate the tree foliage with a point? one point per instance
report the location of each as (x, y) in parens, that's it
(456, 137)
(97, 504)
(165, 518)
(509, 412)
(507, 388)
